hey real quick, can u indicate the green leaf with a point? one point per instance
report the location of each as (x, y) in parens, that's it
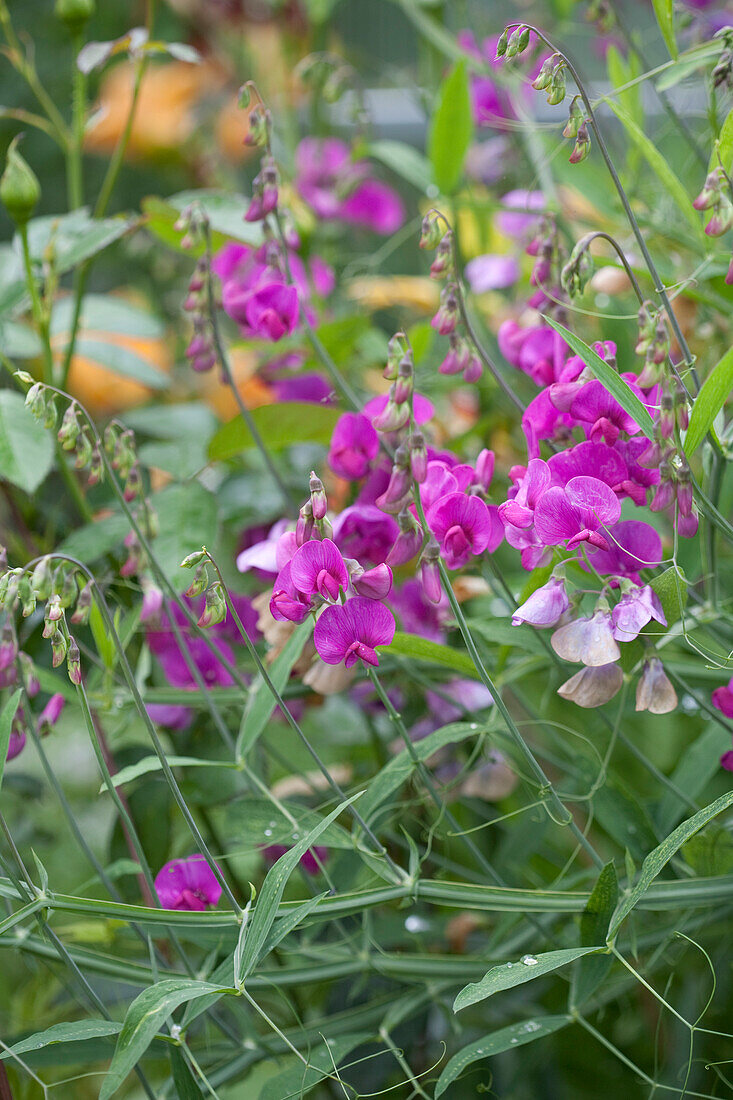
(152, 764)
(710, 853)
(74, 237)
(26, 448)
(188, 520)
(144, 1017)
(6, 727)
(19, 341)
(259, 822)
(183, 1079)
(670, 182)
(660, 857)
(299, 1079)
(260, 702)
(404, 160)
(594, 924)
(74, 1032)
(689, 62)
(506, 1038)
(422, 649)
(609, 378)
(271, 894)
(664, 11)
(399, 769)
(507, 975)
(695, 768)
(106, 313)
(123, 361)
(501, 632)
(450, 130)
(723, 148)
(621, 73)
(92, 541)
(282, 425)
(224, 210)
(709, 401)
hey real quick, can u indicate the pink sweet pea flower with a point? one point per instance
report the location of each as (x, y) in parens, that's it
(288, 604)
(338, 188)
(187, 884)
(350, 632)
(354, 446)
(634, 610)
(363, 532)
(604, 417)
(722, 699)
(491, 272)
(576, 513)
(520, 214)
(319, 569)
(464, 526)
(632, 545)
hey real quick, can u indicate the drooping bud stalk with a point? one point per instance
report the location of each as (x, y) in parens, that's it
(543, 80)
(430, 571)
(681, 406)
(199, 583)
(579, 268)
(73, 662)
(446, 319)
(581, 148)
(556, 91)
(397, 349)
(20, 191)
(84, 451)
(409, 541)
(458, 357)
(68, 433)
(83, 607)
(8, 646)
(517, 42)
(576, 116)
(319, 500)
(592, 687)
(259, 125)
(133, 484)
(394, 415)
(432, 230)
(198, 557)
(716, 197)
(666, 420)
(418, 457)
(442, 265)
(96, 467)
(264, 191)
(502, 43)
(215, 607)
(27, 596)
(35, 400)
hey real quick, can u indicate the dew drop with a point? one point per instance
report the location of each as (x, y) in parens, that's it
(268, 832)
(528, 960)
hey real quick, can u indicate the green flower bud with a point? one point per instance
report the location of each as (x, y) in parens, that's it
(502, 44)
(20, 190)
(74, 13)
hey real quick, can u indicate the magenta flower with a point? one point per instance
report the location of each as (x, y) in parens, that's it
(173, 716)
(464, 526)
(374, 583)
(589, 460)
(17, 737)
(634, 610)
(363, 532)
(51, 713)
(722, 699)
(350, 632)
(319, 569)
(517, 514)
(576, 513)
(632, 545)
(288, 603)
(339, 188)
(520, 213)
(545, 606)
(354, 446)
(491, 272)
(604, 417)
(418, 614)
(538, 351)
(187, 884)
(310, 861)
(422, 409)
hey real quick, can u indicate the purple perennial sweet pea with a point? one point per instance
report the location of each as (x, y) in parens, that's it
(318, 569)
(339, 188)
(576, 513)
(187, 884)
(354, 446)
(632, 545)
(288, 603)
(491, 272)
(634, 610)
(464, 526)
(545, 606)
(351, 631)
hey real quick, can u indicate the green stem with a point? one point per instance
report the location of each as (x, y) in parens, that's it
(37, 309)
(74, 158)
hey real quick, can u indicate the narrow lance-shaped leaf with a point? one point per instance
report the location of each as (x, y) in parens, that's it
(506, 1038)
(709, 402)
(610, 379)
(272, 892)
(594, 923)
(507, 975)
(6, 728)
(144, 1017)
(662, 854)
(664, 11)
(75, 1031)
(451, 128)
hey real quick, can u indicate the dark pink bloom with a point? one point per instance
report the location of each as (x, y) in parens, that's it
(576, 513)
(439, 482)
(722, 698)
(319, 569)
(517, 514)
(588, 460)
(464, 526)
(374, 583)
(51, 713)
(187, 884)
(538, 351)
(354, 446)
(543, 420)
(363, 532)
(634, 610)
(171, 715)
(604, 417)
(312, 388)
(520, 214)
(632, 545)
(491, 272)
(418, 614)
(338, 188)
(350, 632)
(287, 602)
(545, 606)
(309, 861)
(422, 409)
(17, 737)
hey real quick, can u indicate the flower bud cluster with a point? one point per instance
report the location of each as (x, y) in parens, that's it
(449, 320)
(715, 198)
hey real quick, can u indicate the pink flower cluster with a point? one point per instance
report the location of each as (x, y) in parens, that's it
(338, 188)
